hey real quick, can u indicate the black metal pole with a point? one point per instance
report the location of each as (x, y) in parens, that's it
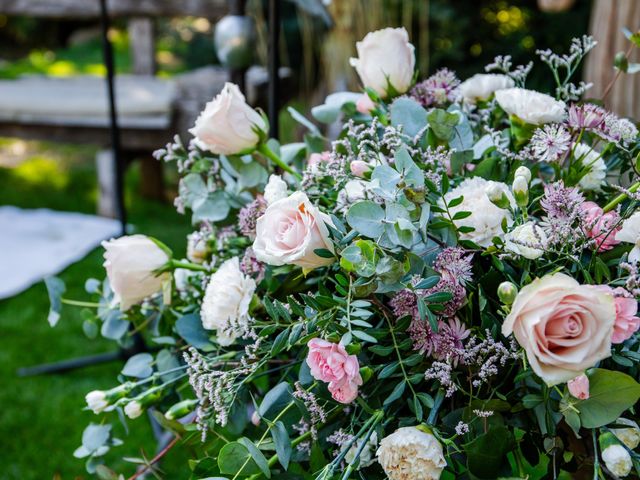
(238, 75)
(118, 166)
(274, 66)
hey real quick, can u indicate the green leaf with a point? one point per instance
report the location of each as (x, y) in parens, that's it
(442, 123)
(486, 453)
(412, 174)
(396, 393)
(282, 442)
(55, 288)
(275, 400)
(610, 394)
(235, 458)
(408, 113)
(256, 456)
(428, 282)
(364, 336)
(366, 217)
(139, 366)
(301, 119)
(333, 104)
(190, 328)
(214, 207)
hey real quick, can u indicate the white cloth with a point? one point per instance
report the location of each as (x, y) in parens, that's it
(37, 243)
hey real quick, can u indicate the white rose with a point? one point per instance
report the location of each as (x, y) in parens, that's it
(227, 125)
(353, 191)
(385, 57)
(617, 460)
(366, 455)
(289, 232)
(630, 233)
(130, 262)
(533, 107)
(276, 189)
(528, 241)
(97, 401)
(629, 436)
(564, 327)
(591, 159)
(197, 250)
(225, 307)
(482, 85)
(133, 409)
(411, 454)
(485, 218)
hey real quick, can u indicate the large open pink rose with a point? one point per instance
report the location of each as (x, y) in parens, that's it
(563, 326)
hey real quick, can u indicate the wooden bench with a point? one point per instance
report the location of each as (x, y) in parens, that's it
(74, 110)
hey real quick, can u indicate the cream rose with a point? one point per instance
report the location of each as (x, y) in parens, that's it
(385, 57)
(630, 233)
(131, 262)
(289, 232)
(533, 107)
(225, 306)
(482, 85)
(227, 125)
(563, 326)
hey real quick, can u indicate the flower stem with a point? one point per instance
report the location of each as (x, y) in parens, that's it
(620, 198)
(267, 152)
(188, 266)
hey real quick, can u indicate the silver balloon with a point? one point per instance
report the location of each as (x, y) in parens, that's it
(234, 40)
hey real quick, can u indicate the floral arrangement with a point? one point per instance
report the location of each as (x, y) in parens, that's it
(447, 290)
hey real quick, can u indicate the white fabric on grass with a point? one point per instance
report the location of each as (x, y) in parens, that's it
(37, 243)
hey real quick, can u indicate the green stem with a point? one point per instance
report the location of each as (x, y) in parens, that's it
(187, 266)
(620, 198)
(267, 152)
(78, 303)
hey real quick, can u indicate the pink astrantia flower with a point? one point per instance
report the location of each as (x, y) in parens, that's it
(579, 387)
(601, 227)
(330, 363)
(626, 323)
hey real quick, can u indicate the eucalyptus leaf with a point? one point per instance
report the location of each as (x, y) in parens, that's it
(139, 366)
(55, 288)
(410, 114)
(366, 217)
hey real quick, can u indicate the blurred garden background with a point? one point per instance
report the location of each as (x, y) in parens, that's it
(42, 417)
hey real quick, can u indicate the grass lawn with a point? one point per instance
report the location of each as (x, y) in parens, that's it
(42, 418)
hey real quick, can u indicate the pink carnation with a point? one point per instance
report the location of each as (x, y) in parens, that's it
(579, 387)
(330, 363)
(626, 323)
(600, 226)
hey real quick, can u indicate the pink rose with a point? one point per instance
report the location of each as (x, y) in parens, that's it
(579, 387)
(563, 326)
(330, 363)
(600, 226)
(290, 231)
(365, 105)
(359, 168)
(316, 159)
(626, 323)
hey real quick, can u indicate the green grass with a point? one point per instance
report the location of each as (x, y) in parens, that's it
(42, 418)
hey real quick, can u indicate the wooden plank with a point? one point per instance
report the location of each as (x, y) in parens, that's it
(212, 9)
(142, 45)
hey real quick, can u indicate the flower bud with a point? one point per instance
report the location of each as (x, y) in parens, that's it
(523, 171)
(255, 418)
(498, 196)
(180, 409)
(621, 62)
(507, 292)
(96, 401)
(615, 456)
(579, 387)
(520, 189)
(629, 436)
(359, 168)
(133, 409)
(365, 105)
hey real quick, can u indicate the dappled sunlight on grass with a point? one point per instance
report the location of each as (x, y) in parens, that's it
(41, 171)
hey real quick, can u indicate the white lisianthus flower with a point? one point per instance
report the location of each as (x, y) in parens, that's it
(225, 306)
(482, 85)
(527, 240)
(530, 106)
(385, 57)
(592, 160)
(630, 233)
(197, 250)
(97, 401)
(411, 454)
(227, 125)
(617, 460)
(130, 262)
(486, 218)
(276, 189)
(289, 232)
(366, 456)
(629, 436)
(133, 409)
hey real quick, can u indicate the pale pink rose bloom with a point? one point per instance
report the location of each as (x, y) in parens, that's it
(316, 159)
(330, 363)
(359, 168)
(626, 323)
(365, 105)
(564, 327)
(579, 387)
(289, 232)
(600, 226)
